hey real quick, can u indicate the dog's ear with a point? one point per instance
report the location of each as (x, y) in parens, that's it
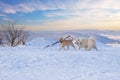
(61, 39)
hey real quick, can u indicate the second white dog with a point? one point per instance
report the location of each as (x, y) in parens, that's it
(88, 44)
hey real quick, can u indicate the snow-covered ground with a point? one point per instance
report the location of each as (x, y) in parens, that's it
(32, 62)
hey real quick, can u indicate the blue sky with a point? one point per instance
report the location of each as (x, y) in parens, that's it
(62, 14)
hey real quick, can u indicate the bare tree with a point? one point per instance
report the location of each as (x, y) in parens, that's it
(14, 34)
(0, 41)
(1, 37)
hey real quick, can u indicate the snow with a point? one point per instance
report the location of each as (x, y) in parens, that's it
(32, 62)
(111, 36)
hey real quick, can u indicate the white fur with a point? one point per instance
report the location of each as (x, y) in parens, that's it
(88, 44)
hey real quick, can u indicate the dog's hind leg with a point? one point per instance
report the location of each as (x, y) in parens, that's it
(95, 48)
(67, 47)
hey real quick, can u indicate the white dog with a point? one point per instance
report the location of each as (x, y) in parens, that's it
(88, 44)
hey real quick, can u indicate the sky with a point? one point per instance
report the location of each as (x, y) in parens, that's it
(45, 15)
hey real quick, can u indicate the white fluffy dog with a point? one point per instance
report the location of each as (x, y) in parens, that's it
(88, 44)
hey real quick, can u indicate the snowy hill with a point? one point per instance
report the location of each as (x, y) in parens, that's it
(99, 36)
(32, 62)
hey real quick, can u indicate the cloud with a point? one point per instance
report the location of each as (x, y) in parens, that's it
(8, 19)
(9, 11)
(89, 14)
(71, 14)
(33, 5)
(2, 15)
(30, 6)
(77, 23)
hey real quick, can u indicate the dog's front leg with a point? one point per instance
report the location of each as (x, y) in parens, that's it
(60, 48)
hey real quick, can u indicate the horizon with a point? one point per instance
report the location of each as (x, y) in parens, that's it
(57, 15)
